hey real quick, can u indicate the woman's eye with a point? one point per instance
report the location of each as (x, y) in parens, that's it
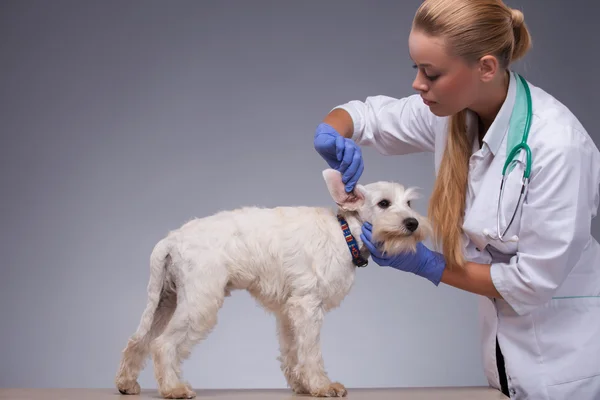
(428, 77)
(384, 204)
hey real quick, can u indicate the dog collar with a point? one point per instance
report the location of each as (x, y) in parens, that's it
(357, 259)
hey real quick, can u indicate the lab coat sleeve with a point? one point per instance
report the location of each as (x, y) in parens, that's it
(393, 126)
(555, 223)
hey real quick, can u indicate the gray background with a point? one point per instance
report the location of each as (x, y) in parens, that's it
(121, 120)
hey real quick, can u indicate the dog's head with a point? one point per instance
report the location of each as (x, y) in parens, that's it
(397, 226)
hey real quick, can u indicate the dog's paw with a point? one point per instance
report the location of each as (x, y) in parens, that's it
(334, 389)
(182, 391)
(298, 388)
(128, 387)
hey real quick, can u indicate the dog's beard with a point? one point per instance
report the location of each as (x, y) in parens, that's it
(393, 238)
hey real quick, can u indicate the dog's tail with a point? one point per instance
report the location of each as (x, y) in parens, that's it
(157, 286)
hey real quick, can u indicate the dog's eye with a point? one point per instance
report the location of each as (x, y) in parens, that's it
(408, 203)
(384, 204)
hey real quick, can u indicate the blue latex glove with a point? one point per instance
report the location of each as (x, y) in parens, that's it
(424, 262)
(342, 154)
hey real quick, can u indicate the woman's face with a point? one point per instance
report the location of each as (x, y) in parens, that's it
(447, 84)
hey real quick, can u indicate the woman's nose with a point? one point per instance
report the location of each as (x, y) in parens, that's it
(419, 85)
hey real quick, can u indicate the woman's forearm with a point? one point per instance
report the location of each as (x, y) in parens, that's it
(341, 121)
(474, 278)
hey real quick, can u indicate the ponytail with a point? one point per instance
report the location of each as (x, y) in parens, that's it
(447, 204)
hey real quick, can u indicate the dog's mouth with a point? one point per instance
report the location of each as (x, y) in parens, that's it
(400, 233)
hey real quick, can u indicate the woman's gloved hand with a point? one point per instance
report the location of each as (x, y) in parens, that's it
(340, 153)
(424, 262)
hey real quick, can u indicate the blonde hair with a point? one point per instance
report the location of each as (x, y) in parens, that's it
(471, 29)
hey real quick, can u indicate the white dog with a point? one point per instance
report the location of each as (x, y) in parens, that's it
(297, 262)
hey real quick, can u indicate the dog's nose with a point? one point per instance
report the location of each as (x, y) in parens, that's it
(411, 224)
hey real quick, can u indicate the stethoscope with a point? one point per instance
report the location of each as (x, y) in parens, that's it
(522, 110)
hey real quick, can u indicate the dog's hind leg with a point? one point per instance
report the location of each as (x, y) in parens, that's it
(162, 301)
(306, 316)
(200, 296)
(135, 354)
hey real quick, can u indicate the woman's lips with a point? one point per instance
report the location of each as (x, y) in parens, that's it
(428, 102)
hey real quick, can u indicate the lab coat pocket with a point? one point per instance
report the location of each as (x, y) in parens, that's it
(581, 389)
(567, 330)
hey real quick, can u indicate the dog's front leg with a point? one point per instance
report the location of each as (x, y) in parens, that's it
(306, 319)
(289, 353)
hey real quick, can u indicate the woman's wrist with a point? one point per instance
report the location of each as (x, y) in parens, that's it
(472, 277)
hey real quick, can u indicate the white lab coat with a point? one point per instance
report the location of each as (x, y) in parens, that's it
(548, 323)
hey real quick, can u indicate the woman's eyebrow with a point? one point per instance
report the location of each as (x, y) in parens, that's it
(421, 64)
(424, 64)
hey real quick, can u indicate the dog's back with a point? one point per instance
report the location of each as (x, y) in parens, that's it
(268, 251)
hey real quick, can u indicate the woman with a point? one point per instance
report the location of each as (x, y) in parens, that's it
(539, 282)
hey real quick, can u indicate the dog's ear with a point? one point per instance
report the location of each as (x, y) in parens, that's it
(347, 201)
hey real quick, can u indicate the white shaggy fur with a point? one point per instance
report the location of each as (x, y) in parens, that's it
(293, 260)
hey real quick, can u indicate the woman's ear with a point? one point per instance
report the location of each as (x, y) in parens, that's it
(348, 201)
(488, 68)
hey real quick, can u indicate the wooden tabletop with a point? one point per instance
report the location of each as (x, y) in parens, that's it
(438, 393)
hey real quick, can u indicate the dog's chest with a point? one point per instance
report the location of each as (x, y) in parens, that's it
(335, 286)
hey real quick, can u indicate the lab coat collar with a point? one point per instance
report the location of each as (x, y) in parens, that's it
(496, 132)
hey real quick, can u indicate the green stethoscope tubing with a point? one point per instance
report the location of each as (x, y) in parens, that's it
(523, 145)
(515, 119)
